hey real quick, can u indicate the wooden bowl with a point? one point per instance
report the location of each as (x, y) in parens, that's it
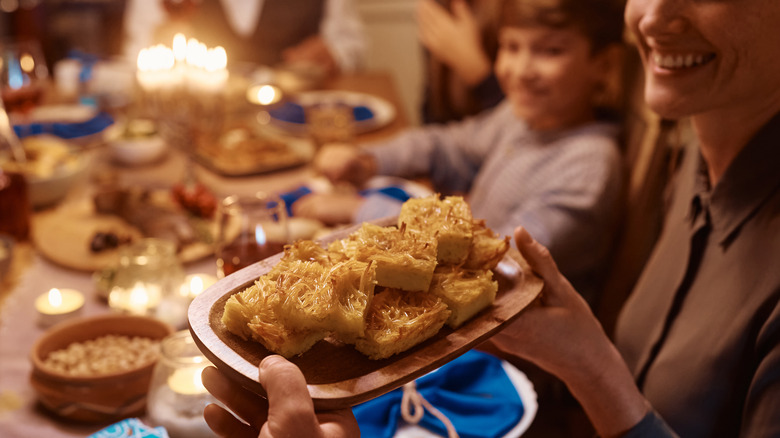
(94, 399)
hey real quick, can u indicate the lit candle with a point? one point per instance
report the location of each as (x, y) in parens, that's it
(206, 68)
(58, 305)
(138, 300)
(155, 68)
(194, 284)
(187, 381)
(264, 94)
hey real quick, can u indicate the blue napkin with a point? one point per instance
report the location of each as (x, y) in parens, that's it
(66, 130)
(294, 113)
(394, 192)
(473, 391)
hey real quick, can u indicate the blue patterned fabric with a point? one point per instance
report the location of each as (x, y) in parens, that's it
(473, 391)
(294, 113)
(393, 192)
(67, 130)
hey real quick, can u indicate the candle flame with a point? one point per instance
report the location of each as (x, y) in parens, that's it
(196, 53)
(216, 59)
(155, 58)
(27, 62)
(55, 297)
(196, 285)
(260, 235)
(197, 381)
(179, 47)
(266, 95)
(138, 296)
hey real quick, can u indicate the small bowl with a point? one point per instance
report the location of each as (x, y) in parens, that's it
(145, 147)
(101, 398)
(138, 151)
(47, 191)
(52, 168)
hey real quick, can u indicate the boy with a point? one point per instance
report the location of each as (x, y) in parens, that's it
(542, 158)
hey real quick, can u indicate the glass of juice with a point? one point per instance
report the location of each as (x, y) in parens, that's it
(23, 75)
(250, 229)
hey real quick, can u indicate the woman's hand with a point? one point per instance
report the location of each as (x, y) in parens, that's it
(289, 410)
(328, 208)
(345, 163)
(560, 334)
(454, 39)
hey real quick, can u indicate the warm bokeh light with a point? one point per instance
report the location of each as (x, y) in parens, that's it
(216, 59)
(155, 58)
(266, 95)
(179, 47)
(27, 63)
(55, 297)
(196, 53)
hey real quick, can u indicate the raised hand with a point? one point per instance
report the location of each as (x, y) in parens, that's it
(454, 39)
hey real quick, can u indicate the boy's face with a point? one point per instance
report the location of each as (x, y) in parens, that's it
(549, 75)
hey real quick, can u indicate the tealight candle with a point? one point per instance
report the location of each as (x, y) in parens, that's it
(264, 94)
(187, 381)
(58, 305)
(194, 284)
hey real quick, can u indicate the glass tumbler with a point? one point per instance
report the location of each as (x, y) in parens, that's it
(251, 228)
(177, 396)
(23, 75)
(148, 273)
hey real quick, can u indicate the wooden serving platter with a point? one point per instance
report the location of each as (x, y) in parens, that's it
(338, 376)
(63, 236)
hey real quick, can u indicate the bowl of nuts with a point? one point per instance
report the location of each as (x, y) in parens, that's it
(97, 369)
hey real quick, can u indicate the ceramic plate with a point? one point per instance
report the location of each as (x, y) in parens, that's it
(372, 112)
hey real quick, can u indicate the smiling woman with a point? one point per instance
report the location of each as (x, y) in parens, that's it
(698, 342)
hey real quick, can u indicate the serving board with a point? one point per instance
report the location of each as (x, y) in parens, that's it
(63, 236)
(338, 376)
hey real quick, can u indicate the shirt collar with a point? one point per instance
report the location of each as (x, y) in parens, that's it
(749, 180)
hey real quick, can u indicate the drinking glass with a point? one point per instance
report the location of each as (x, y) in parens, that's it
(251, 228)
(23, 75)
(177, 396)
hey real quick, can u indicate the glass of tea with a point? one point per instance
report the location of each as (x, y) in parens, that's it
(23, 75)
(250, 229)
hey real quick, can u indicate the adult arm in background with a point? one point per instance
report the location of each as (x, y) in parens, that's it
(341, 43)
(140, 21)
(561, 335)
(288, 411)
(454, 39)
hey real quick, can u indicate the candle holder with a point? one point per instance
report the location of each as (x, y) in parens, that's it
(57, 305)
(149, 274)
(177, 396)
(184, 88)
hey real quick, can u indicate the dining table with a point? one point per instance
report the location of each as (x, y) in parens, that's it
(32, 273)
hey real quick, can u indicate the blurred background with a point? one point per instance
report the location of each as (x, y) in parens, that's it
(95, 27)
